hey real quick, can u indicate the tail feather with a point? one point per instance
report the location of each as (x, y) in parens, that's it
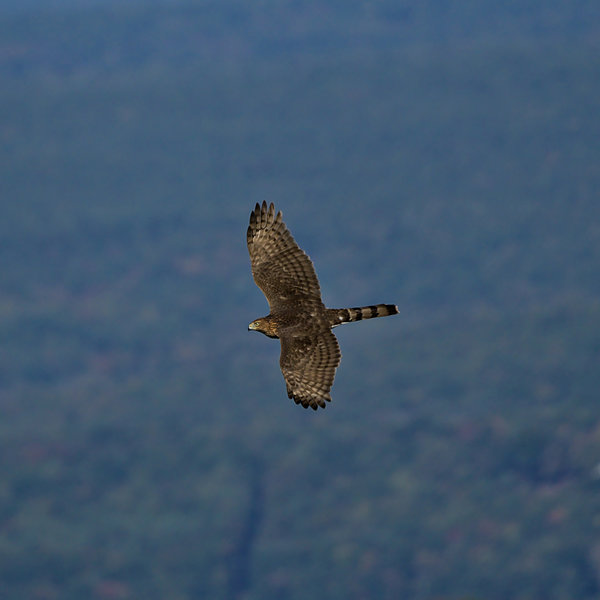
(346, 315)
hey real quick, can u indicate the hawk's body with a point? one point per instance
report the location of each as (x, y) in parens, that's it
(310, 353)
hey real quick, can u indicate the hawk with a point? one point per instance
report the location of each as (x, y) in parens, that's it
(310, 352)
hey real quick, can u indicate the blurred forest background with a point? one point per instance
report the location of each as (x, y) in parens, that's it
(440, 155)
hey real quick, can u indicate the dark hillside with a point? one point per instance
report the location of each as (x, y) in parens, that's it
(148, 448)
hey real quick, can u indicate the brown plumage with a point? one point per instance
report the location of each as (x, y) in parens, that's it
(310, 352)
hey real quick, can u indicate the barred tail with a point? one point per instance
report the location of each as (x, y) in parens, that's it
(345, 315)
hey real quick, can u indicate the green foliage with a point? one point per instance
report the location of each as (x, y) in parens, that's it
(148, 447)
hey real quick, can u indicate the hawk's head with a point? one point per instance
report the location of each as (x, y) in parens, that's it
(255, 325)
(264, 325)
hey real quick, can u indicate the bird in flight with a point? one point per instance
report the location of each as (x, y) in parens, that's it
(310, 352)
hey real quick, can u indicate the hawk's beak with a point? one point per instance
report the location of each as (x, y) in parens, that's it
(251, 326)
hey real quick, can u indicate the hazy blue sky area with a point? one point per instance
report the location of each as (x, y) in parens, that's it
(442, 156)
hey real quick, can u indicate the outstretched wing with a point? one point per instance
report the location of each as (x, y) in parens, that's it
(308, 365)
(280, 268)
